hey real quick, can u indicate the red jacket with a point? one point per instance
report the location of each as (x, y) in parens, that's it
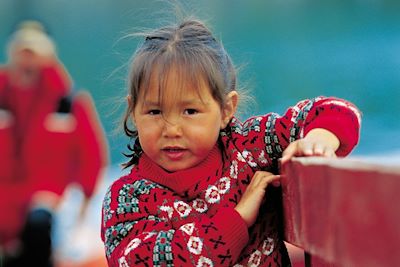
(42, 149)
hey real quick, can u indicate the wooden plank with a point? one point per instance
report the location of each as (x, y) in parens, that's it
(343, 211)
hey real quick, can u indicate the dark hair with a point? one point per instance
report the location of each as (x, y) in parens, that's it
(189, 48)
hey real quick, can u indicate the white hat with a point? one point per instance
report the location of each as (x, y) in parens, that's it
(31, 35)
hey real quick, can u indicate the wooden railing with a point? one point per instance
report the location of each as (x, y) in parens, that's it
(343, 212)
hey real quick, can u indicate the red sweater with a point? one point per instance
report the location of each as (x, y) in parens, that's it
(187, 218)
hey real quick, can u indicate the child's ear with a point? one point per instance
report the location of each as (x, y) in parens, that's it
(229, 109)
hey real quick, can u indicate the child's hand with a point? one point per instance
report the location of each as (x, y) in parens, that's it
(318, 142)
(252, 198)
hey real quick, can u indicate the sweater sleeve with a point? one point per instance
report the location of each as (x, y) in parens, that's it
(338, 116)
(262, 139)
(145, 224)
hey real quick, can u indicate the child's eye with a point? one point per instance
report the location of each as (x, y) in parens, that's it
(154, 112)
(190, 111)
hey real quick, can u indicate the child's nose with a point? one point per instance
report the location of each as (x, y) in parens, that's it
(172, 128)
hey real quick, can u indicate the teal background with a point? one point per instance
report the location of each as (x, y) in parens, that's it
(286, 50)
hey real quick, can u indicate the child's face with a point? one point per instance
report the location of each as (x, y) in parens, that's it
(180, 132)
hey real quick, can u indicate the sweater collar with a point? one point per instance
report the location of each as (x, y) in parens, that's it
(181, 181)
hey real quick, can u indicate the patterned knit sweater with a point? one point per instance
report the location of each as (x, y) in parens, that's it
(187, 218)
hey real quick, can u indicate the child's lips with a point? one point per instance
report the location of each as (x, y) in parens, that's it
(174, 153)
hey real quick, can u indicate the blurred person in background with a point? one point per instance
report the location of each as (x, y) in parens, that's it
(50, 138)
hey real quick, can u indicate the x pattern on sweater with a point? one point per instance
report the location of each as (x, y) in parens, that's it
(147, 223)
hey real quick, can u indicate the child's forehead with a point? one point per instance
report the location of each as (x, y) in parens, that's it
(176, 74)
(175, 83)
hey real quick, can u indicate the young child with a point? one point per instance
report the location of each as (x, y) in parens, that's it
(196, 193)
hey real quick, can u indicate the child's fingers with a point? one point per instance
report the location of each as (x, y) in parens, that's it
(273, 179)
(297, 148)
(323, 151)
(329, 153)
(319, 150)
(262, 179)
(277, 182)
(304, 148)
(289, 152)
(254, 194)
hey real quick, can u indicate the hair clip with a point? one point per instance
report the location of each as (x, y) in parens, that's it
(156, 38)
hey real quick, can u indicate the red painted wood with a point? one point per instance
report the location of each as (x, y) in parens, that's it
(343, 211)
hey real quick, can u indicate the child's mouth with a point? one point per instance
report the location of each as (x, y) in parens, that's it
(174, 153)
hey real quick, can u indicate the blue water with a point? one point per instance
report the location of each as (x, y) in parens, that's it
(287, 51)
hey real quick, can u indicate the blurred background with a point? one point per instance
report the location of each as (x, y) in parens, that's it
(286, 51)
